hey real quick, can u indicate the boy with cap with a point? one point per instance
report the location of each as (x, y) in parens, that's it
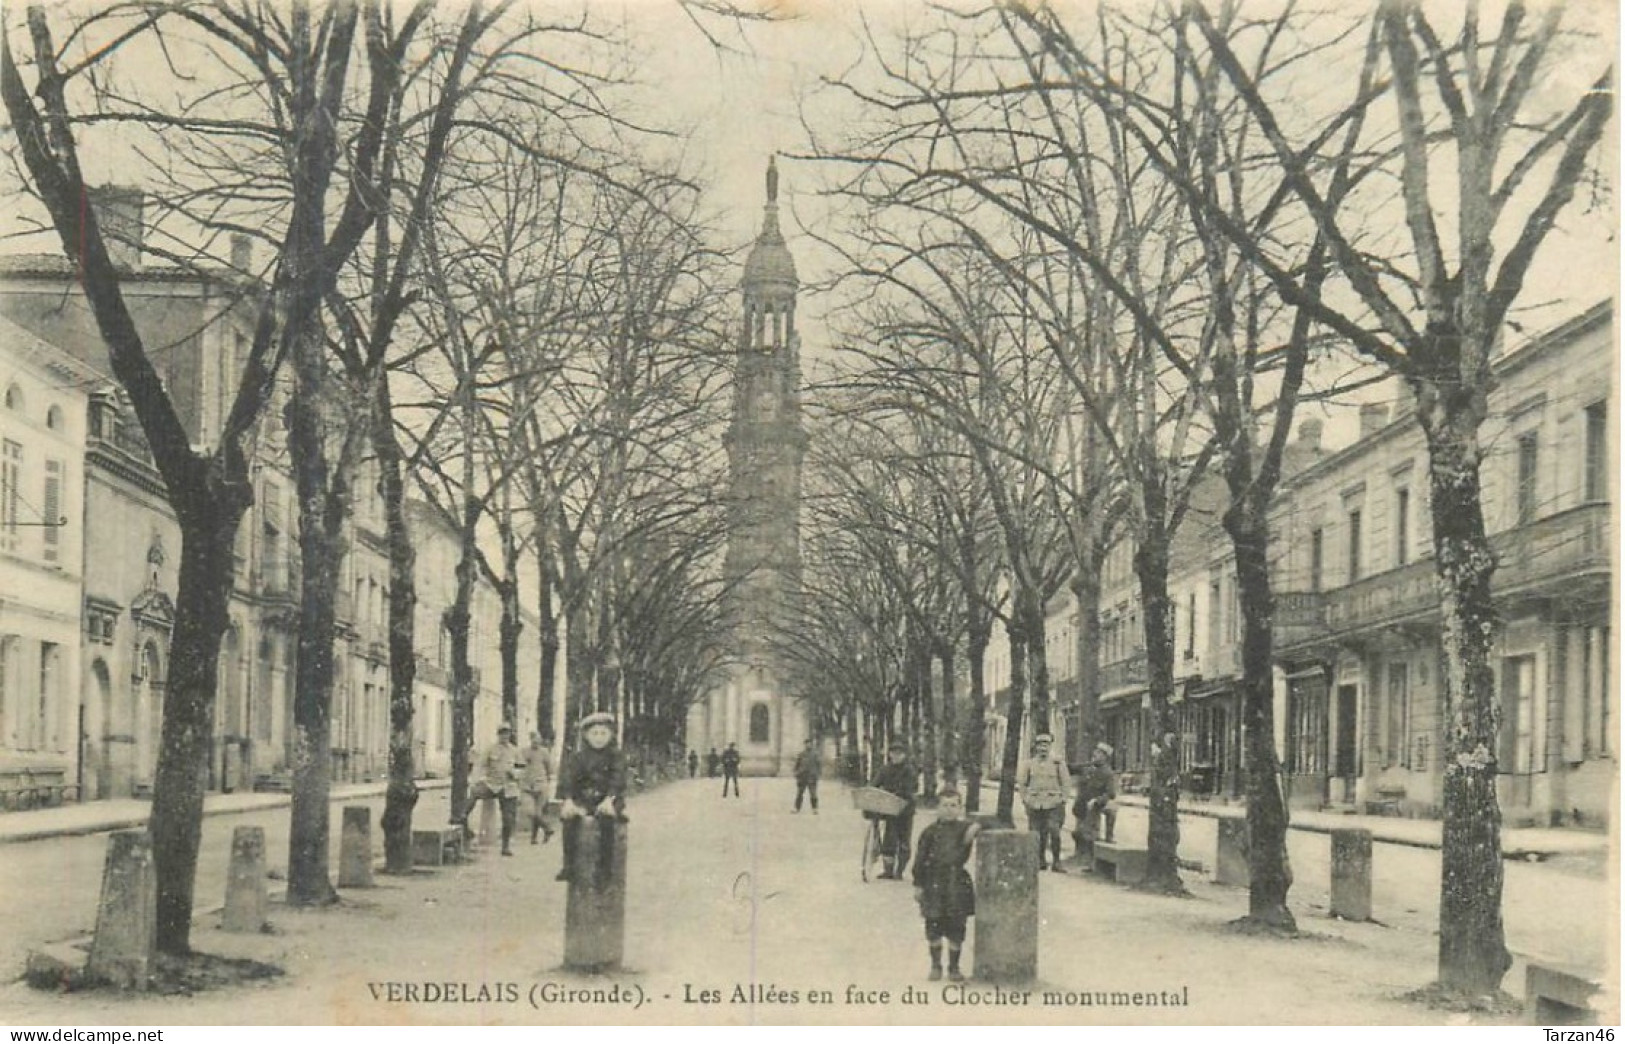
(593, 783)
(942, 885)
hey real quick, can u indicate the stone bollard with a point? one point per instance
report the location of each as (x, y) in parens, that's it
(1006, 932)
(595, 910)
(355, 848)
(126, 942)
(246, 902)
(1230, 863)
(1351, 874)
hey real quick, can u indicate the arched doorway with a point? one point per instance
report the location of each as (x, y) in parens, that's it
(100, 736)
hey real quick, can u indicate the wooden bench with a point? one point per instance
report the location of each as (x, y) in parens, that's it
(437, 847)
(1556, 996)
(1126, 863)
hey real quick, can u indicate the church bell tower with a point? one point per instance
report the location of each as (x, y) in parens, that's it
(754, 707)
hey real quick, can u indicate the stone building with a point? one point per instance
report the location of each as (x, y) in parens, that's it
(766, 443)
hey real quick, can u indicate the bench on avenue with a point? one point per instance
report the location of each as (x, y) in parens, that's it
(1558, 996)
(437, 847)
(1126, 862)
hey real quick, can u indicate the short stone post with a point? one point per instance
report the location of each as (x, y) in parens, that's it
(1231, 864)
(488, 821)
(1006, 932)
(595, 909)
(126, 942)
(355, 848)
(1351, 874)
(246, 901)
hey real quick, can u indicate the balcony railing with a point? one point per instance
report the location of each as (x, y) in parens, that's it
(1549, 550)
(1124, 672)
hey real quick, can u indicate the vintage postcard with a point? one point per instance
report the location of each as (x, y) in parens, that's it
(717, 512)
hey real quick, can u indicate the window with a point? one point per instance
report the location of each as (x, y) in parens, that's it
(1598, 694)
(1354, 544)
(14, 398)
(1402, 526)
(53, 510)
(1528, 465)
(1399, 715)
(1190, 629)
(1596, 461)
(49, 676)
(1518, 706)
(11, 478)
(761, 720)
(1317, 557)
(53, 417)
(7, 660)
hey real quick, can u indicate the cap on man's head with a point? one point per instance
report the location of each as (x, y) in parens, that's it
(1042, 737)
(600, 718)
(1103, 748)
(897, 747)
(505, 730)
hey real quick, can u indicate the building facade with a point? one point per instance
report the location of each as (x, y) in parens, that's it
(753, 706)
(1359, 721)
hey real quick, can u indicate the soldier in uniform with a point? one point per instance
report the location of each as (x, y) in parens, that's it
(1096, 790)
(537, 779)
(942, 885)
(499, 769)
(592, 785)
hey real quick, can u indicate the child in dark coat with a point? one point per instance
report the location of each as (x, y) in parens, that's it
(942, 885)
(593, 785)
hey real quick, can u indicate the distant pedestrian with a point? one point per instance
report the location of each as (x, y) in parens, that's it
(807, 773)
(1044, 786)
(897, 777)
(693, 764)
(712, 761)
(592, 785)
(1097, 791)
(537, 782)
(942, 885)
(730, 769)
(498, 771)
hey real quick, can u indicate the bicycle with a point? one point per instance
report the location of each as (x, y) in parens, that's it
(875, 804)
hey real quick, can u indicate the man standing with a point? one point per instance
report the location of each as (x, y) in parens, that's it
(537, 780)
(730, 769)
(807, 772)
(1044, 786)
(897, 777)
(499, 770)
(693, 764)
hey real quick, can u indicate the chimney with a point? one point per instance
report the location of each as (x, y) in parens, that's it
(1309, 433)
(242, 253)
(119, 211)
(1373, 416)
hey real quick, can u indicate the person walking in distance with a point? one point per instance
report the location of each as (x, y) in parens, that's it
(942, 885)
(592, 786)
(1044, 786)
(712, 761)
(897, 777)
(537, 782)
(730, 769)
(807, 773)
(499, 771)
(693, 764)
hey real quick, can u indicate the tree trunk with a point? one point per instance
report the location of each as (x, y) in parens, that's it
(1011, 763)
(1162, 836)
(201, 606)
(578, 670)
(1086, 589)
(464, 686)
(549, 628)
(950, 744)
(976, 727)
(401, 795)
(1473, 956)
(1038, 663)
(1269, 867)
(511, 627)
(928, 721)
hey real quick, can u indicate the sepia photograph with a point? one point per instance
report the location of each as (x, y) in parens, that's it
(770, 513)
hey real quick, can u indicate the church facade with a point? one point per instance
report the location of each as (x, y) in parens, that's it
(754, 706)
